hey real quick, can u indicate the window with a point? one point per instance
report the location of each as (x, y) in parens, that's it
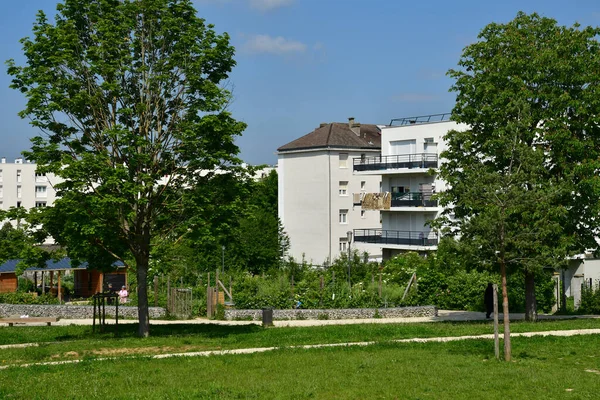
(362, 213)
(40, 204)
(343, 216)
(18, 204)
(430, 146)
(18, 176)
(343, 188)
(19, 192)
(40, 177)
(0, 175)
(363, 185)
(1, 191)
(40, 191)
(343, 160)
(343, 245)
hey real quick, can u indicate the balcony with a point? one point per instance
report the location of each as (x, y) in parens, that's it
(407, 238)
(413, 199)
(408, 161)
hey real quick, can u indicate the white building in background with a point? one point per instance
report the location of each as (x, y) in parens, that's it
(410, 149)
(319, 195)
(22, 186)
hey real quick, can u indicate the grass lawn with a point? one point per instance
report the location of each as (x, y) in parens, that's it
(544, 368)
(78, 342)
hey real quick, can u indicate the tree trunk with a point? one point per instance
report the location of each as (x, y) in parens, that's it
(142, 292)
(530, 302)
(507, 346)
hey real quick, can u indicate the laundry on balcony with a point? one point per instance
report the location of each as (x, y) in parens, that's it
(377, 201)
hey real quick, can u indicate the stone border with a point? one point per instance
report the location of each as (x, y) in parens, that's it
(348, 313)
(72, 311)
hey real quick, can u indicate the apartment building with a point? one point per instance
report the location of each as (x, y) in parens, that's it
(410, 149)
(22, 186)
(319, 196)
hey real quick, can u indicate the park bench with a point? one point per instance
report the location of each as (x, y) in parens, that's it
(29, 320)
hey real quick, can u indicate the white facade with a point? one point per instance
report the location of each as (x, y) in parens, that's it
(319, 195)
(316, 203)
(408, 153)
(21, 186)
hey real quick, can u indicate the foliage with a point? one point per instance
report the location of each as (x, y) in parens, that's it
(523, 188)
(590, 300)
(27, 298)
(129, 100)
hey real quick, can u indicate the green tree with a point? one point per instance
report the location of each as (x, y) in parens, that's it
(128, 95)
(522, 179)
(259, 241)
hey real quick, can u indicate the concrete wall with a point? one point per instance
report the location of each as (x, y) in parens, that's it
(581, 271)
(72, 312)
(354, 313)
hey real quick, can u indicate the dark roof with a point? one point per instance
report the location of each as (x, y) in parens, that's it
(338, 134)
(9, 266)
(51, 265)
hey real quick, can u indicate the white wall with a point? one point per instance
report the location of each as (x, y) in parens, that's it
(28, 182)
(413, 219)
(309, 202)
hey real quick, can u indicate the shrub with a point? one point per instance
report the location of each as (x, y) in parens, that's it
(27, 298)
(590, 300)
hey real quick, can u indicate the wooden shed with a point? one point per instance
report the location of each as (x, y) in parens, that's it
(87, 282)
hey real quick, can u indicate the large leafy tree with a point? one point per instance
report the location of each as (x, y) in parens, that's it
(129, 98)
(261, 242)
(523, 183)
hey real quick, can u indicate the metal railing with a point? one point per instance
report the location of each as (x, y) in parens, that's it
(382, 236)
(413, 199)
(421, 119)
(410, 161)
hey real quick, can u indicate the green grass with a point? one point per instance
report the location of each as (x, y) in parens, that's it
(78, 342)
(544, 368)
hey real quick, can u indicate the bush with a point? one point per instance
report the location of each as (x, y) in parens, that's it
(27, 298)
(590, 301)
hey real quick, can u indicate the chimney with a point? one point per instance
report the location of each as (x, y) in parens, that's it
(19, 161)
(354, 126)
(3, 160)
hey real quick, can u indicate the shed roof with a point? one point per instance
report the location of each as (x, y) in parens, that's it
(51, 265)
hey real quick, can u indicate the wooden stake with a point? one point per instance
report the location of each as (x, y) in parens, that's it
(59, 291)
(155, 291)
(496, 338)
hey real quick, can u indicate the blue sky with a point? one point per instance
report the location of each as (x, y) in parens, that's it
(303, 62)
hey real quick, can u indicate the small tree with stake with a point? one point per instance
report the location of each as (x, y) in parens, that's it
(523, 176)
(128, 98)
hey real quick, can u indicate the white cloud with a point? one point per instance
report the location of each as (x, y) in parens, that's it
(273, 45)
(267, 5)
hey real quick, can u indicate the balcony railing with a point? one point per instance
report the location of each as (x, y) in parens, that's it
(421, 119)
(413, 199)
(382, 236)
(419, 160)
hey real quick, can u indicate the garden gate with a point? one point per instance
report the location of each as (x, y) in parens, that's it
(179, 303)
